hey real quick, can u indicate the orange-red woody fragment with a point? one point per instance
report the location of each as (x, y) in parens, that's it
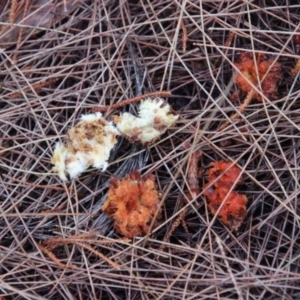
(229, 206)
(132, 202)
(267, 74)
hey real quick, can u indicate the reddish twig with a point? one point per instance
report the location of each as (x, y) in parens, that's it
(80, 240)
(26, 8)
(36, 87)
(192, 173)
(50, 254)
(176, 223)
(229, 39)
(12, 12)
(131, 100)
(242, 108)
(12, 15)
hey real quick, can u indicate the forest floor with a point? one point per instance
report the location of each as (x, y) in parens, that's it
(60, 59)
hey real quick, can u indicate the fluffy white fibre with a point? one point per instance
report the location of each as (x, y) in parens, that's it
(149, 108)
(155, 109)
(153, 120)
(77, 163)
(58, 160)
(91, 117)
(89, 144)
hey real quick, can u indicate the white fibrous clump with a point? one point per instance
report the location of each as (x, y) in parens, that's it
(154, 118)
(87, 144)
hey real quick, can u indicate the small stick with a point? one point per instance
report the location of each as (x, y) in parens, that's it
(192, 173)
(227, 44)
(131, 100)
(52, 243)
(229, 39)
(242, 108)
(99, 254)
(81, 240)
(27, 3)
(50, 254)
(36, 87)
(184, 35)
(176, 223)
(12, 12)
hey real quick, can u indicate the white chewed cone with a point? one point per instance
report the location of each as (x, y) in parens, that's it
(154, 118)
(87, 144)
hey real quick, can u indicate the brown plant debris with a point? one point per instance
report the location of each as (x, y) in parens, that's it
(132, 202)
(184, 35)
(192, 176)
(81, 240)
(256, 72)
(228, 205)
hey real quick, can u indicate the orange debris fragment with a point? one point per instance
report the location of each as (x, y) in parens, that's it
(132, 202)
(267, 73)
(229, 206)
